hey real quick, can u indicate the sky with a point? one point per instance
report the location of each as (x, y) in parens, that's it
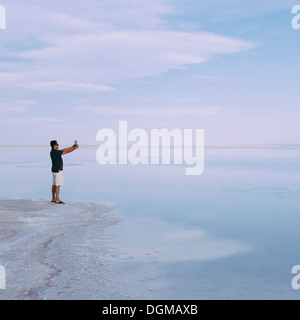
(71, 68)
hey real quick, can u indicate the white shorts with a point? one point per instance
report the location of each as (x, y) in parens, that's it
(58, 179)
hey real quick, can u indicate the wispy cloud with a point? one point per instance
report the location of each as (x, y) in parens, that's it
(18, 106)
(205, 78)
(29, 120)
(92, 48)
(62, 51)
(65, 86)
(231, 9)
(168, 112)
(99, 60)
(119, 55)
(181, 244)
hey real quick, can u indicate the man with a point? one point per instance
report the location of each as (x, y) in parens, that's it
(57, 169)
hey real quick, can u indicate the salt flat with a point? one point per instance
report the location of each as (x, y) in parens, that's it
(56, 252)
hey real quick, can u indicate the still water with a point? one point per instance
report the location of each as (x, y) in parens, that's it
(231, 233)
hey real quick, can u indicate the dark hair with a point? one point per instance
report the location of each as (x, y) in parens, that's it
(53, 143)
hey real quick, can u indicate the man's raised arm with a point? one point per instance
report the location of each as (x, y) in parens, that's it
(71, 149)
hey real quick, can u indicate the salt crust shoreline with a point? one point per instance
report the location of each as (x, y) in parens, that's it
(54, 251)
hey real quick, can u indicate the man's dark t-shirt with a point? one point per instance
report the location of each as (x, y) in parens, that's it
(57, 161)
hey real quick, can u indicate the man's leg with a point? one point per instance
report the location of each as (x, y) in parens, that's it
(57, 189)
(53, 193)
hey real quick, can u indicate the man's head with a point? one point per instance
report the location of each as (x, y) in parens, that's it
(54, 145)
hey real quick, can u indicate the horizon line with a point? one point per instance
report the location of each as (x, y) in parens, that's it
(205, 147)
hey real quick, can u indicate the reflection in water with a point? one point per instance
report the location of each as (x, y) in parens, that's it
(229, 233)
